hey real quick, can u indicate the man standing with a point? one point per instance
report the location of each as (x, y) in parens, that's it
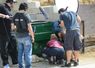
(5, 30)
(72, 41)
(24, 35)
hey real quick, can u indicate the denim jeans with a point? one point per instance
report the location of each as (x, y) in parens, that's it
(25, 49)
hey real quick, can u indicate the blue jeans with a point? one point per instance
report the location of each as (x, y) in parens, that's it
(25, 49)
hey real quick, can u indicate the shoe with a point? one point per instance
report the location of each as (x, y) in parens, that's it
(67, 65)
(59, 61)
(6, 66)
(52, 60)
(72, 61)
(76, 63)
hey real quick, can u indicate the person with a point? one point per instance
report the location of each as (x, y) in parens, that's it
(5, 34)
(24, 34)
(58, 31)
(72, 43)
(54, 50)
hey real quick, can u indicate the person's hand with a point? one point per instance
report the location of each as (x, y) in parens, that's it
(6, 16)
(33, 40)
(61, 24)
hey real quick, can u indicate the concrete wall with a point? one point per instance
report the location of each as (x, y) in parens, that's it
(87, 13)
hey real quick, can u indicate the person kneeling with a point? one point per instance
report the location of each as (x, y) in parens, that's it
(54, 50)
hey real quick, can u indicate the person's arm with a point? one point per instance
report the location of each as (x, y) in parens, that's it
(28, 21)
(61, 21)
(78, 19)
(61, 24)
(13, 27)
(48, 43)
(4, 16)
(4, 12)
(13, 24)
(31, 31)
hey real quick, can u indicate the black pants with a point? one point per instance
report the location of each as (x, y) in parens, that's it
(8, 48)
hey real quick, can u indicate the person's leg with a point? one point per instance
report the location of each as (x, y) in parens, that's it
(68, 55)
(20, 53)
(47, 53)
(4, 51)
(12, 49)
(28, 52)
(76, 56)
(60, 55)
(68, 45)
(77, 46)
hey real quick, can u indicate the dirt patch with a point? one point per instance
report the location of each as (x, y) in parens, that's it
(88, 56)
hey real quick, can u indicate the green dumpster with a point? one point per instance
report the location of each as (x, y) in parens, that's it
(42, 30)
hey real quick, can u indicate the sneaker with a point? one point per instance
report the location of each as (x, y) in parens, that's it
(76, 63)
(6, 66)
(72, 61)
(67, 65)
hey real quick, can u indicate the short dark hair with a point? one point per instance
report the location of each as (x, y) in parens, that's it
(23, 6)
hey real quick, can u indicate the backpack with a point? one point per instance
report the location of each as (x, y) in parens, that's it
(21, 22)
(55, 26)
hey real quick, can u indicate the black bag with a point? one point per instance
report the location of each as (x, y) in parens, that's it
(21, 22)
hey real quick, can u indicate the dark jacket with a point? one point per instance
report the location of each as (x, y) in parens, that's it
(5, 24)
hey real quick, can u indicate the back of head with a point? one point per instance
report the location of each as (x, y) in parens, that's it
(23, 6)
(53, 36)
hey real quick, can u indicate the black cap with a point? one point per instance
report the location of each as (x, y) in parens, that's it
(10, 1)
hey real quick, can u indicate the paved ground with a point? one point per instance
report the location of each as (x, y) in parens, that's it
(87, 60)
(82, 65)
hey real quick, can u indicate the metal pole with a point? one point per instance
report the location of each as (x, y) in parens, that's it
(83, 33)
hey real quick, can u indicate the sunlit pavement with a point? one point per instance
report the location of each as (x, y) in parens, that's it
(86, 63)
(83, 64)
